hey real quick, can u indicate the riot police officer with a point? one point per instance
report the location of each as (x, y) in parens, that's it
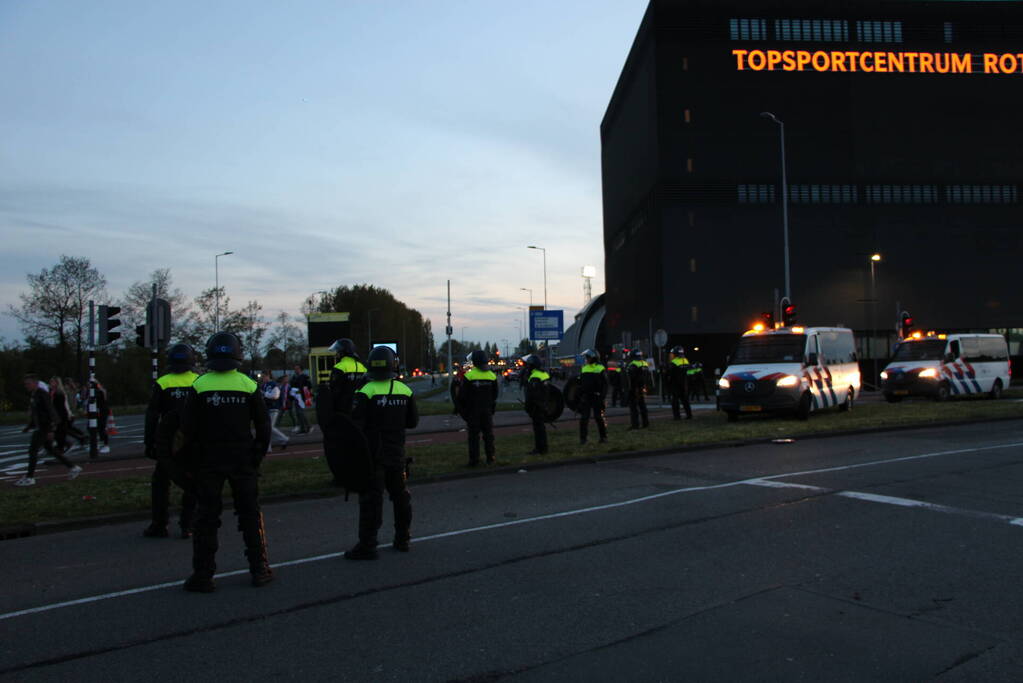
(221, 411)
(592, 392)
(336, 398)
(536, 382)
(477, 401)
(678, 382)
(384, 409)
(614, 378)
(638, 373)
(163, 418)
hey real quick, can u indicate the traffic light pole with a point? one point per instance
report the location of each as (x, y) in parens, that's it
(93, 415)
(154, 355)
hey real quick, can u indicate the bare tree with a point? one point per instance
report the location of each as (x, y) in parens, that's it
(137, 297)
(289, 339)
(249, 326)
(55, 307)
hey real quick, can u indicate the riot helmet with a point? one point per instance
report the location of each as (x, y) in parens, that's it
(344, 347)
(382, 363)
(180, 358)
(591, 356)
(678, 351)
(533, 362)
(479, 359)
(636, 354)
(223, 352)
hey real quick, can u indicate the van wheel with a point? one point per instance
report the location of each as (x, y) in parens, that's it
(892, 398)
(847, 404)
(805, 406)
(732, 416)
(996, 390)
(943, 392)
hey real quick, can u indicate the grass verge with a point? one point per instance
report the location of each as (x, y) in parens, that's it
(87, 497)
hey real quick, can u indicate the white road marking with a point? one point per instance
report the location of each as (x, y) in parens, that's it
(784, 485)
(755, 481)
(934, 507)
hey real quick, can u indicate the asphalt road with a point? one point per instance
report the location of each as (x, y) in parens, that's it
(876, 557)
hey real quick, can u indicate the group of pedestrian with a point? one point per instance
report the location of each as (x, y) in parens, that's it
(50, 427)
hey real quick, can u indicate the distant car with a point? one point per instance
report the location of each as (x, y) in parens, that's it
(940, 366)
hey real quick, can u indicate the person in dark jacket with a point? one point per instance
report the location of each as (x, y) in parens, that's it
(226, 418)
(592, 392)
(163, 418)
(336, 397)
(65, 418)
(477, 401)
(384, 408)
(614, 379)
(102, 415)
(638, 372)
(43, 421)
(678, 383)
(536, 381)
(300, 382)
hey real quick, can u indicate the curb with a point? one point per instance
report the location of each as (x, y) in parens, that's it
(41, 528)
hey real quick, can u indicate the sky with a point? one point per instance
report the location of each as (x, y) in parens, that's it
(399, 143)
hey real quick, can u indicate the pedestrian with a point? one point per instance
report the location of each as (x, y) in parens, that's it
(163, 419)
(678, 382)
(222, 410)
(614, 378)
(639, 379)
(65, 418)
(336, 398)
(103, 414)
(274, 398)
(294, 405)
(384, 408)
(697, 383)
(536, 382)
(302, 393)
(592, 392)
(42, 419)
(477, 402)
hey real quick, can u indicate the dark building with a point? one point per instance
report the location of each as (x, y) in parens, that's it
(902, 138)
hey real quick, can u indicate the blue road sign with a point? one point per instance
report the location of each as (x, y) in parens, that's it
(546, 325)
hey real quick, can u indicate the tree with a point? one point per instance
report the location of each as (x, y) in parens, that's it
(55, 307)
(137, 297)
(248, 324)
(289, 339)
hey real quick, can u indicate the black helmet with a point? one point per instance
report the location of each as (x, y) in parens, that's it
(180, 358)
(591, 356)
(344, 347)
(533, 362)
(382, 363)
(636, 354)
(223, 352)
(678, 351)
(479, 359)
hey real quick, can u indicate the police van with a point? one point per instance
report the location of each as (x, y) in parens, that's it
(790, 369)
(940, 366)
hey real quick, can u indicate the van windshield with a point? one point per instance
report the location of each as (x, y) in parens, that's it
(770, 348)
(931, 349)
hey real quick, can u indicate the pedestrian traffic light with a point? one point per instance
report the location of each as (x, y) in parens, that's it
(140, 335)
(788, 315)
(906, 324)
(107, 322)
(767, 318)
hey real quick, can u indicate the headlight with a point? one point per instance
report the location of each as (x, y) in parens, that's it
(929, 373)
(787, 381)
(884, 374)
(724, 383)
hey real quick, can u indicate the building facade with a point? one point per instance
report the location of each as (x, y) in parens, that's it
(902, 138)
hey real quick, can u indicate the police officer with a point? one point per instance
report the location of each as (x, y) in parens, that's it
(592, 392)
(637, 371)
(384, 409)
(337, 397)
(163, 418)
(536, 382)
(614, 378)
(477, 401)
(697, 382)
(221, 411)
(678, 382)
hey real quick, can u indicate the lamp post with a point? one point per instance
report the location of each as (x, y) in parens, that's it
(874, 260)
(544, 276)
(784, 200)
(216, 289)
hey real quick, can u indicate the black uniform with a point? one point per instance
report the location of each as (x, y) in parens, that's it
(638, 370)
(614, 378)
(43, 420)
(163, 418)
(384, 409)
(678, 385)
(477, 401)
(592, 392)
(536, 395)
(220, 412)
(336, 398)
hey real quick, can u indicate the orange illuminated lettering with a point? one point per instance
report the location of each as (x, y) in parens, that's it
(941, 65)
(757, 60)
(876, 61)
(864, 66)
(838, 61)
(788, 60)
(962, 64)
(773, 58)
(926, 63)
(990, 63)
(740, 59)
(895, 62)
(911, 60)
(802, 59)
(821, 61)
(1007, 63)
(880, 65)
(852, 59)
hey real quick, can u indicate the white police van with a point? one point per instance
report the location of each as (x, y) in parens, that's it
(940, 366)
(790, 369)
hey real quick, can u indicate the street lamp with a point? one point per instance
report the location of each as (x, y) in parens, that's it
(784, 200)
(527, 289)
(544, 276)
(216, 290)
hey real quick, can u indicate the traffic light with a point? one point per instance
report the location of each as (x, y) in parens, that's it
(906, 324)
(788, 315)
(767, 318)
(108, 322)
(140, 335)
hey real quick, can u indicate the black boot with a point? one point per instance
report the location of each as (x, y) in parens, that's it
(403, 522)
(155, 531)
(359, 551)
(204, 566)
(255, 551)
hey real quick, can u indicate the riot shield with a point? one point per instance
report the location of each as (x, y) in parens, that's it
(572, 393)
(351, 455)
(554, 403)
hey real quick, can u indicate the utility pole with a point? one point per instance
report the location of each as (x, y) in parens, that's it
(93, 414)
(449, 330)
